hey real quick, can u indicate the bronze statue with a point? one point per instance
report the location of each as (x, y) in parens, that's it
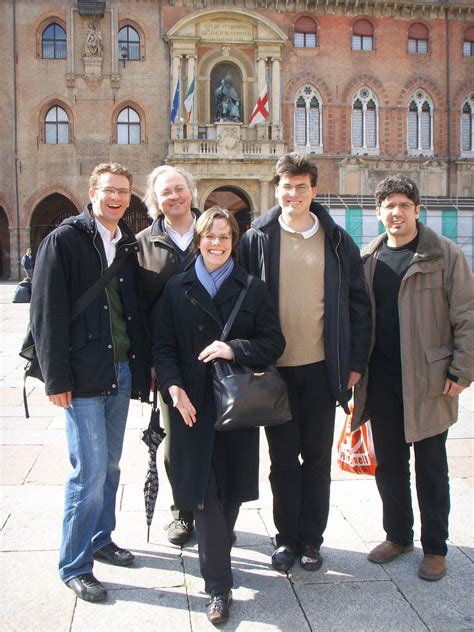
(227, 101)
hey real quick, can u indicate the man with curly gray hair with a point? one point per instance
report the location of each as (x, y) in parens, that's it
(166, 249)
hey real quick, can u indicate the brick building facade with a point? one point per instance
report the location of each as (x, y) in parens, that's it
(367, 89)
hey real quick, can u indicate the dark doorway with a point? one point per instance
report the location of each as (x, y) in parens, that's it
(136, 215)
(47, 216)
(234, 201)
(4, 245)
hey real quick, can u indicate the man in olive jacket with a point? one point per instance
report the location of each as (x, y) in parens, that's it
(314, 273)
(92, 364)
(422, 356)
(166, 249)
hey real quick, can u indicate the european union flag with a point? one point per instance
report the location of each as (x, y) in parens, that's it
(175, 108)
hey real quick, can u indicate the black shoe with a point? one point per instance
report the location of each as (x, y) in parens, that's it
(179, 531)
(218, 607)
(87, 587)
(283, 558)
(310, 560)
(113, 554)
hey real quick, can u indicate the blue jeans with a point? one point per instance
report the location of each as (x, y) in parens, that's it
(95, 428)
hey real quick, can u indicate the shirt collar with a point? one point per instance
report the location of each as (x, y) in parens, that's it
(189, 233)
(305, 234)
(105, 232)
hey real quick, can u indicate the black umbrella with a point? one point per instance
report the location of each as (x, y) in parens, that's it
(152, 437)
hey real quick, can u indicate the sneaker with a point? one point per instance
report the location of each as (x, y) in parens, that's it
(179, 531)
(387, 552)
(433, 567)
(217, 609)
(87, 587)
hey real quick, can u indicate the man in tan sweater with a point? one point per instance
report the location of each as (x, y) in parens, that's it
(313, 270)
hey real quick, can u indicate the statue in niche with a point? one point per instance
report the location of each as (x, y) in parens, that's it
(93, 46)
(227, 101)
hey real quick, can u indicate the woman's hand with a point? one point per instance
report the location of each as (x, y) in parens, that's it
(182, 402)
(216, 349)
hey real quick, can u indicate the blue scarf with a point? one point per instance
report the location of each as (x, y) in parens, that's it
(212, 281)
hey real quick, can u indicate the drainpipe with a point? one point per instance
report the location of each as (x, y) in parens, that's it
(448, 100)
(15, 145)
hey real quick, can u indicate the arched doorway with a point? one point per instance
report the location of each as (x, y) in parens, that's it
(136, 215)
(234, 201)
(47, 216)
(4, 245)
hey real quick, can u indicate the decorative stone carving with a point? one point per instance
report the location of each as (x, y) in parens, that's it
(93, 56)
(228, 140)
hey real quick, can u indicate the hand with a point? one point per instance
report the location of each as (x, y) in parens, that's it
(182, 402)
(451, 388)
(216, 349)
(354, 378)
(64, 400)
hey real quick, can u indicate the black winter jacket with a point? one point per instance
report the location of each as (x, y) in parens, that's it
(78, 356)
(189, 320)
(347, 319)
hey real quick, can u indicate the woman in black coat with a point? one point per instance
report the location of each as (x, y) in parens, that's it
(211, 472)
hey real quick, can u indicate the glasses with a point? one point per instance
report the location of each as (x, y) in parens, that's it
(112, 190)
(404, 206)
(177, 190)
(299, 188)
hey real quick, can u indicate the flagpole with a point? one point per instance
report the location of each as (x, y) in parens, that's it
(265, 121)
(194, 100)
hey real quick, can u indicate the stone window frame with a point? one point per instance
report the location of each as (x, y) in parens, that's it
(311, 92)
(51, 103)
(419, 97)
(468, 42)
(414, 34)
(365, 96)
(42, 26)
(469, 102)
(141, 35)
(141, 115)
(359, 24)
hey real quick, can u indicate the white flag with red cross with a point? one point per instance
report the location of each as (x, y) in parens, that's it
(260, 111)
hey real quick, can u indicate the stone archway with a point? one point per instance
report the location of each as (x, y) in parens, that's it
(47, 216)
(234, 201)
(136, 216)
(4, 245)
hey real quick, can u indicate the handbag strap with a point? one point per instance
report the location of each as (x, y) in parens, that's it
(235, 311)
(92, 292)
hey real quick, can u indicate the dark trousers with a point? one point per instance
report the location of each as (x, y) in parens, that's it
(178, 514)
(214, 526)
(393, 469)
(300, 454)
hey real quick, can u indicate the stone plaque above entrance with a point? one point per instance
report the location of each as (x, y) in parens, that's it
(228, 31)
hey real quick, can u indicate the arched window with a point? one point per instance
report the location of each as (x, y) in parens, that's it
(365, 122)
(468, 44)
(418, 38)
(128, 127)
(308, 132)
(305, 33)
(56, 126)
(467, 124)
(53, 42)
(362, 35)
(129, 44)
(420, 124)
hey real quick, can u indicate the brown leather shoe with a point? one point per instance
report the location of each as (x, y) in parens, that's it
(433, 567)
(387, 552)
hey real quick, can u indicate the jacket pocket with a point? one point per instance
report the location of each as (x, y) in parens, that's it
(438, 360)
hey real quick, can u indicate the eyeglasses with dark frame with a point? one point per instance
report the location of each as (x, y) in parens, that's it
(112, 190)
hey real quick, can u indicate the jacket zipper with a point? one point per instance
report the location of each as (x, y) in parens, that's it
(108, 304)
(338, 311)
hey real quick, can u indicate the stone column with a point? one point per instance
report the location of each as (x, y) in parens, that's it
(176, 131)
(260, 74)
(264, 202)
(275, 98)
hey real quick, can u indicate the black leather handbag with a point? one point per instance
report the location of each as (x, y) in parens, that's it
(247, 397)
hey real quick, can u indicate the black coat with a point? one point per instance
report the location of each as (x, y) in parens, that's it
(78, 356)
(189, 320)
(347, 316)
